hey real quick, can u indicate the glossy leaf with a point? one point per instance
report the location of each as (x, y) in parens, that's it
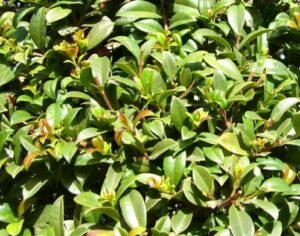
(181, 221)
(230, 142)
(6, 75)
(138, 9)
(99, 32)
(56, 218)
(134, 209)
(236, 17)
(57, 13)
(203, 180)
(240, 222)
(37, 28)
(174, 167)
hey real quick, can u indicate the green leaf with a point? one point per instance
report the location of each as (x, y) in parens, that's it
(208, 33)
(133, 209)
(169, 64)
(275, 184)
(267, 206)
(100, 69)
(37, 28)
(250, 37)
(181, 18)
(19, 116)
(226, 66)
(192, 193)
(54, 114)
(33, 185)
(15, 228)
(240, 222)
(113, 177)
(282, 107)
(214, 154)
(57, 13)
(178, 113)
(79, 95)
(163, 224)
(138, 9)
(181, 221)
(99, 32)
(203, 180)
(149, 26)
(230, 142)
(130, 44)
(6, 75)
(66, 149)
(271, 228)
(269, 66)
(174, 167)
(4, 135)
(88, 199)
(87, 133)
(236, 17)
(56, 217)
(6, 214)
(161, 147)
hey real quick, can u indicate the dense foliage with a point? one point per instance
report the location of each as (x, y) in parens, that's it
(149, 117)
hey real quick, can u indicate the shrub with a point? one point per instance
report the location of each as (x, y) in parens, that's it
(149, 117)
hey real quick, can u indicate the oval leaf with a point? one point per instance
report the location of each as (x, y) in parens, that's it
(99, 32)
(134, 209)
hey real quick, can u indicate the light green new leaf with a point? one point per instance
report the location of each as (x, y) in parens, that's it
(236, 17)
(230, 142)
(181, 221)
(15, 228)
(6, 75)
(282, 107)
(99, 32)
(37, 28)
(267, 206)
(133, 209)
(138, 9)
(240, 222)
(203, 180)
(174, 167)
(57, 13)
(56, 217)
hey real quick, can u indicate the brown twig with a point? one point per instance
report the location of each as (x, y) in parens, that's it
(164, 15)
(186, 92)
